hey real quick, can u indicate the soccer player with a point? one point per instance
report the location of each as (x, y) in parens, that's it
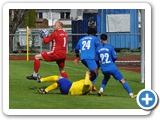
(80, 87)
(59, 39)
(106, 56)
(86, 47)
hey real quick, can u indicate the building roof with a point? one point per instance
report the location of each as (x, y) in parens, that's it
(40, 20)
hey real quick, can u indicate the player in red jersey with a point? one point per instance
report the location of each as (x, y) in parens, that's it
(59, 39)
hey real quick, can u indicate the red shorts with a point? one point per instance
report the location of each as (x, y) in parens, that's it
(50, 57)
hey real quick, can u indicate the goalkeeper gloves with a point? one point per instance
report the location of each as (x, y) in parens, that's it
(43, 33)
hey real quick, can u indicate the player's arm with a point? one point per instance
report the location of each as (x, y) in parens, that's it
(44, 35)
(114, 56)
(77, 53)
(87, 81)
(47, 40)
(88, 84)
(96, 42)
(97, 59)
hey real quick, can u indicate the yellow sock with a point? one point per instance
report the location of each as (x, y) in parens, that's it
(52, 87)
(53, 78)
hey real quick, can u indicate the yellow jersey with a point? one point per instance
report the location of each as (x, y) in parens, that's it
(81, 87)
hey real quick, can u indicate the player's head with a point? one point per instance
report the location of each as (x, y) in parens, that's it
(92, 75)
(58, 25)
(104, 38)
(92, 31)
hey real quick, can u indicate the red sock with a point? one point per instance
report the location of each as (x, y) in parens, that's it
(36, 65)
(64, 74)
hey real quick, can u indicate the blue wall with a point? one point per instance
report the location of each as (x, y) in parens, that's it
(129, 40)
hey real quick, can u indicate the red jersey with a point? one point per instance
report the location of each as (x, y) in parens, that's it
(59, 39)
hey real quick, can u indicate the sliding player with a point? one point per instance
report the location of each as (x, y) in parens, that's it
(80, 87)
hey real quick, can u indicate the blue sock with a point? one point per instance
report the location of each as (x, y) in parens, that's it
(94, 80)
(126, 87)
(104, 83)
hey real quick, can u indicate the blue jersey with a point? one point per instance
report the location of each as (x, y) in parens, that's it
(87, 46)
(106, 55)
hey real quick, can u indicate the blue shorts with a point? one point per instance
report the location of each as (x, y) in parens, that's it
(64, 85)
(90, 64)
(115, 73)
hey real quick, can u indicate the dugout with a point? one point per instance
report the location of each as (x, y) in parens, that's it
(121, 26)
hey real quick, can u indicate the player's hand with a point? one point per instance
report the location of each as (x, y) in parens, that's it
(87, 72)
(44, 33)
(76, 61)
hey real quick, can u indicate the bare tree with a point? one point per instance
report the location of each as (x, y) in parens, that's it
(16, 16)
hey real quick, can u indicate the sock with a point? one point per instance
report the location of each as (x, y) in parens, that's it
(101, 89)
(36, 65)
(104, 83)
(127, 88)
(64, 74)
(35, 74)
(94, 80)
(52, 87)
(53, 78)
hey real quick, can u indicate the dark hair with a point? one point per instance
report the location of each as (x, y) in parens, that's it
(92, 75)
(104, 37)
(92, 31)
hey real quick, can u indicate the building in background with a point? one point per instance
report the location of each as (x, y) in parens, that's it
(52, 15)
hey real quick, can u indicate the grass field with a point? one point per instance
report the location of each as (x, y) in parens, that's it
(23, 92)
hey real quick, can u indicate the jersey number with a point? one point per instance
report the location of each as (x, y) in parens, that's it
(104, 58)
(86, 45)
(64, 42)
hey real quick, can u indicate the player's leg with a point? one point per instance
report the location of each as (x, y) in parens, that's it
(61, 65)
(92, 66)
(35, 74)
(127, 88)
(53, 78)
(54, 86)
(104, 83)
(118, 76)
(49, 88)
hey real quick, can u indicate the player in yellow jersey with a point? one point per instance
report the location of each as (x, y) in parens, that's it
(80, 87)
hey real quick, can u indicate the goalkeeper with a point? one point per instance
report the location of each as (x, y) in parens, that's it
(80, 87)
(59, 40)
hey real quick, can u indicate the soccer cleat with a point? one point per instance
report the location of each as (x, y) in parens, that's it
(33, 77)
(42, 91)
(133, 96)
(39, 79)
(100, 93)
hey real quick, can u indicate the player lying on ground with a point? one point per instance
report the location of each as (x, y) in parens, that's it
(106, 56)
(80, 87)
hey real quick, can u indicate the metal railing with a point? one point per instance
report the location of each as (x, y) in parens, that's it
(36, 45)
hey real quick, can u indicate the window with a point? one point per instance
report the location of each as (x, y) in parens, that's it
(65, 15)
(39, 15)
(62, 15)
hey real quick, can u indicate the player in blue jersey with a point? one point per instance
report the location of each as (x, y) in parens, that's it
(86, 47)
(106, 56)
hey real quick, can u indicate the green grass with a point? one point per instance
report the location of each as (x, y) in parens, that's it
(23, 93)
(122, 53)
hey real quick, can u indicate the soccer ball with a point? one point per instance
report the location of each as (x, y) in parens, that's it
(43, 33)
